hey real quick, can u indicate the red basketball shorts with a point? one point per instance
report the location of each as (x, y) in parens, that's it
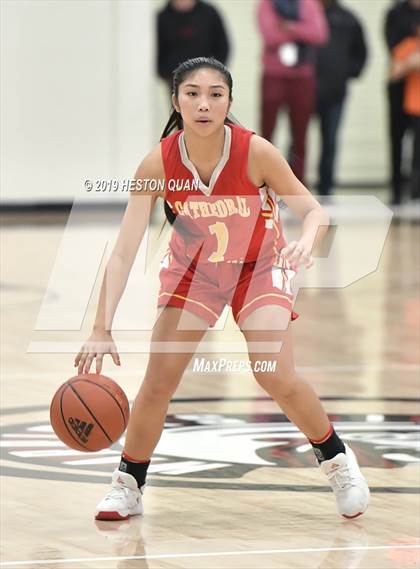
(206, 288)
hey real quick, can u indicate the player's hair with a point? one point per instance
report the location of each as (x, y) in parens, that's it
(175, 120)
(181, 73)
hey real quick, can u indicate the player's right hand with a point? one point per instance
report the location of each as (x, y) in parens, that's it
(96, 346)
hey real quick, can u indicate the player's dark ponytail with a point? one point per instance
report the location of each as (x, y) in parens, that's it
(180, 74)
(174, 123)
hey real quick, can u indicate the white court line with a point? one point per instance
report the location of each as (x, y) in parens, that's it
(205, 554)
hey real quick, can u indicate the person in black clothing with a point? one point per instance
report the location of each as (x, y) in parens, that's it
(188, 29)
(340, 59)
(400, 22)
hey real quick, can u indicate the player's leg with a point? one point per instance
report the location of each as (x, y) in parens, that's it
(295, 395)
(268, 325)
(171, 351)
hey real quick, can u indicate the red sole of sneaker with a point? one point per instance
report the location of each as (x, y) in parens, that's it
(110, 516)
(352, 517)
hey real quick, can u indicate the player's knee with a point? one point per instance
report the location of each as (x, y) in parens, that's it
(159, 390)
(283, 386)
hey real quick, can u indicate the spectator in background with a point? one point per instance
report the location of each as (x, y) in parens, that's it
(406, 65)
(187, 29)
(340, 59)
(400, 23)
(290, 30)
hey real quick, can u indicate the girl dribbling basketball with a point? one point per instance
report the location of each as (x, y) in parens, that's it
(227, 247)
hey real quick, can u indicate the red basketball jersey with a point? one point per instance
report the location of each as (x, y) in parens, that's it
(231, 219)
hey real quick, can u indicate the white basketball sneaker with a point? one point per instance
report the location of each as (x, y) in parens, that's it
(348, 483)
(123, 500)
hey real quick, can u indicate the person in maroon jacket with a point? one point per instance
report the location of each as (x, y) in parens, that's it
(291, 29)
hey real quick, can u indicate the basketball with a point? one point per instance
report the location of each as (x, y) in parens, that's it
(89, 412)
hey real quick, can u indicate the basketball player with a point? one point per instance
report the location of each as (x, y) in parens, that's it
(227, 247)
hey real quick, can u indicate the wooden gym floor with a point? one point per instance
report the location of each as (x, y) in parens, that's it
(232, 484)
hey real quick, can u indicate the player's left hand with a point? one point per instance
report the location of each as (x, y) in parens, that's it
(298, 254)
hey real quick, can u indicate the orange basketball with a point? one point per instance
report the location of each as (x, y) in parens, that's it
(89, 412)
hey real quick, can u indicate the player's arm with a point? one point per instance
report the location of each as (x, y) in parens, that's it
(133, 227)
(267, 166)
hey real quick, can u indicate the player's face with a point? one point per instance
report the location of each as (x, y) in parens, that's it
(203, 101)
